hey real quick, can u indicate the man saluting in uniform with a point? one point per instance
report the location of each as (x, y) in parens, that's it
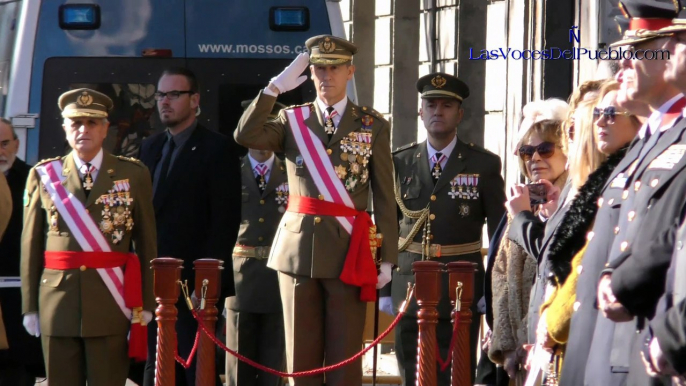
(335, 152)
(83, 291)
(447, 188)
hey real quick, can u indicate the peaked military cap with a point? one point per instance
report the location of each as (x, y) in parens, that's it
(84, 102)
(647, 19)
(441, 85)
(328, 49)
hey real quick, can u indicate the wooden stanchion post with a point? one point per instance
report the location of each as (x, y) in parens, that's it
(427, 292)
(207, 288)
(167, 274)
(462, 272)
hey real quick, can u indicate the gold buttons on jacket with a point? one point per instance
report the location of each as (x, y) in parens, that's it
(88, 211)
(631, 215)
(432, 216)
(654, 182)
(321, 197)
(637, 185)
(589, 235)
(45, 281)
(610, 201)
(579, 269)
(576, 306)
(625, 194)
(83, 268)
(262, 202)
(260, 238)
(261, 219)
(433, 197)
(317, 220)
(329, 151)
(431, 237)
(600, 202)
(616, 230)
(623, 246)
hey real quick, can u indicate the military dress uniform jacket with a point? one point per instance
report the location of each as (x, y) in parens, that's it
(454, 218)
(599, 241)
(257, 286)
(76, 302)
(311, 245)
(643, 188)
(669, 323)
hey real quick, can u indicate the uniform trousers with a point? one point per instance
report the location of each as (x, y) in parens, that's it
(71, 361)
(324, 322)
(259, 337)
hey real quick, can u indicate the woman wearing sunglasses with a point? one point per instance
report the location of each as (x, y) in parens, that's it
(542, 153)
(600, 147)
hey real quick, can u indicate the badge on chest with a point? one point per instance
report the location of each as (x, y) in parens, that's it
(668, 158)
(116, 213)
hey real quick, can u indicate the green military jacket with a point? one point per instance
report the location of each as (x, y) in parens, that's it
(76, 302)
(311, 245)
(257, 286)
(469, 192)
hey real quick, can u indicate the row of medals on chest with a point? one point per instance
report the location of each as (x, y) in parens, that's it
(356, 149)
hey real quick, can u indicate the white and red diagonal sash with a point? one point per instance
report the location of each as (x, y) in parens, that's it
(319, 164)
(82, 227)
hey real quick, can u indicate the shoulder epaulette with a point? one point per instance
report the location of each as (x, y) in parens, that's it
(478, 148)
(369, 110)
(131, 159)
(43, 161)
(405, 147)
(301, 105)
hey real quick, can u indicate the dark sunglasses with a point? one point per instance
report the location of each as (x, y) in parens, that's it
(544, 149)
(610, 112)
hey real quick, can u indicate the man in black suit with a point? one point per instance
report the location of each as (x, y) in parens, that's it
(24, 360)
(197, 199)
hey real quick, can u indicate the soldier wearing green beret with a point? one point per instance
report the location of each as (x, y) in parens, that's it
(336, 154)
(459, 186)
(83, 291)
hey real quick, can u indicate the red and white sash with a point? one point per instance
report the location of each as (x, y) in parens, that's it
(319, 164)
(83, 228)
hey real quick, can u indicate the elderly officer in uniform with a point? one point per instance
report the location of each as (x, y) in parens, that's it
(639, 278)
(335, 152)
(254, 319)
(459, 185)
(83, 291)
(637, 187)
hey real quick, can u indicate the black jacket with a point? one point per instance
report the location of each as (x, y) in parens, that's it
(11, 241)
(199, 212)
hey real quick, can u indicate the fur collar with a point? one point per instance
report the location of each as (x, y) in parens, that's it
(570, 236)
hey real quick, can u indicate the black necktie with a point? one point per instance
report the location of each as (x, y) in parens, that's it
(165, 163)
(437, 169)
(328, 123)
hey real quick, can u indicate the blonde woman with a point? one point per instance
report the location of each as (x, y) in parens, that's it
(603, 140)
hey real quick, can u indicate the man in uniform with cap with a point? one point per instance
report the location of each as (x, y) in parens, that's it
(335, 152)
(637, 186)
(456, 187)
(83, 290)
(254, 319)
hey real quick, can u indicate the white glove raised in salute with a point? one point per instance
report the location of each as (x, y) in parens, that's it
(290, 78)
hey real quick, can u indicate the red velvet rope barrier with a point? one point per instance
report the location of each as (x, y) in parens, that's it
(201, 326)
(187, 363)
(453, 340)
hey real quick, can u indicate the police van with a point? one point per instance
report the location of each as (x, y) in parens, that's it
(120, 47)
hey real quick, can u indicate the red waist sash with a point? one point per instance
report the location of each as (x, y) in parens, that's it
(133, 286)
(359, 268)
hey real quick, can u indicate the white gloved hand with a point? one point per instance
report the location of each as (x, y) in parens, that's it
(384, 275)
(386, 305)
(290, 77)
(31, 324)
(147, 316)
